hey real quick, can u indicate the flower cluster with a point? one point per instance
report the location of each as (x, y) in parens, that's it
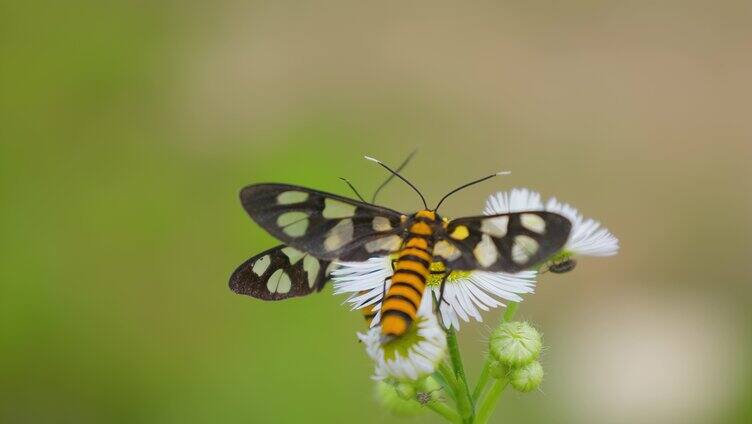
(404, 364)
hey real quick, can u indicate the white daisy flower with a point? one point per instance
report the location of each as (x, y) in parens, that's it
(587, 238)
(413, 356)
(466, 291)
(517, 200)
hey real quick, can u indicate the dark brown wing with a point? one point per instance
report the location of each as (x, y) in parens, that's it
(502, 243)
(280, 273)
(324, 225)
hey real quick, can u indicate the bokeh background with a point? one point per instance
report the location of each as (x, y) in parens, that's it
(127, 129)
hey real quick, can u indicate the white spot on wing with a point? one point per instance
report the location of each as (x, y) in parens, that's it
(311, 266)
(389, 243)
(446, 250)
(290, 197)
(334, 209)
(496, 226)
(279, 282)
(261, 265)
(340, 235)
(294, 255)
(533, 222)
(524, 247)
(294, 223)
(485, 251)
(381, 223)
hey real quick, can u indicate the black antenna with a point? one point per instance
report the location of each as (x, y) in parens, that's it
(468, 185)
(353, 189)
(401, 178)
(391, 176)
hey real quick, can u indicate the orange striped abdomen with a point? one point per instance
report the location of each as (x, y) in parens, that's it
(411, 269)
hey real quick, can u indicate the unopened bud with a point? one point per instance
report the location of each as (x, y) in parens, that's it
(515, 343)
(527, 378)
(390, 398)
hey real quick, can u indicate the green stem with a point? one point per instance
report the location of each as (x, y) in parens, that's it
(488, 404)
(483, 379)
(511, 309)
(485, 374)
(447, 375)
(445, 411)
(464, 399)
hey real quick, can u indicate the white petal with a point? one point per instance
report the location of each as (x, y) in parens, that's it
(518, 200)
(587, 237)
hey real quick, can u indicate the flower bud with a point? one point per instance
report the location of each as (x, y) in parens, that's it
(390, 398)
(515, 343)
(405, 390)
(527, 378)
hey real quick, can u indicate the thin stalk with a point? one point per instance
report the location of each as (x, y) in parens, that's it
(447, 375)
(464, 399)
(485, 373)
(511, 309)
(488, 404)
(483, 379)
(445, 411)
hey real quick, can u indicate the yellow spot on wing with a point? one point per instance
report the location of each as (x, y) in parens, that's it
(460, 233)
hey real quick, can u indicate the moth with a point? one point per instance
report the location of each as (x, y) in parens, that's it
(319, 228)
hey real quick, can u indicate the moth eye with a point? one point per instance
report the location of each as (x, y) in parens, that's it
(533, 222)
(486, 252)
(496, 226)
(339, 235)
(334, 209)
(524, 248)
(279, 282)
(291, 197)
(261, 265)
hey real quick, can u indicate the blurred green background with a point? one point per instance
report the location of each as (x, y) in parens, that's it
(127, 129)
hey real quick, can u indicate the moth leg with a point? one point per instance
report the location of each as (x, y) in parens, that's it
(437, 303)
(383, 294)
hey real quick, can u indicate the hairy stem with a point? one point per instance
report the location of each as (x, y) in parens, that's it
(482, 380)
(464, 399)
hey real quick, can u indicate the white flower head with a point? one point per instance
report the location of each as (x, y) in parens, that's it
(587, 237)
(464, 292)
(412, 356)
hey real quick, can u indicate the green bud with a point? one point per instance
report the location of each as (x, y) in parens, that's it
(405, 390)
(429, 390)
(428, 384)
(389, 397)
(527, 378)
(498, 370)
(515, 343)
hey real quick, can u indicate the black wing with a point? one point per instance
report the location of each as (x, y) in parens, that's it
(502, 243)
(280, 273)
(325, 225)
